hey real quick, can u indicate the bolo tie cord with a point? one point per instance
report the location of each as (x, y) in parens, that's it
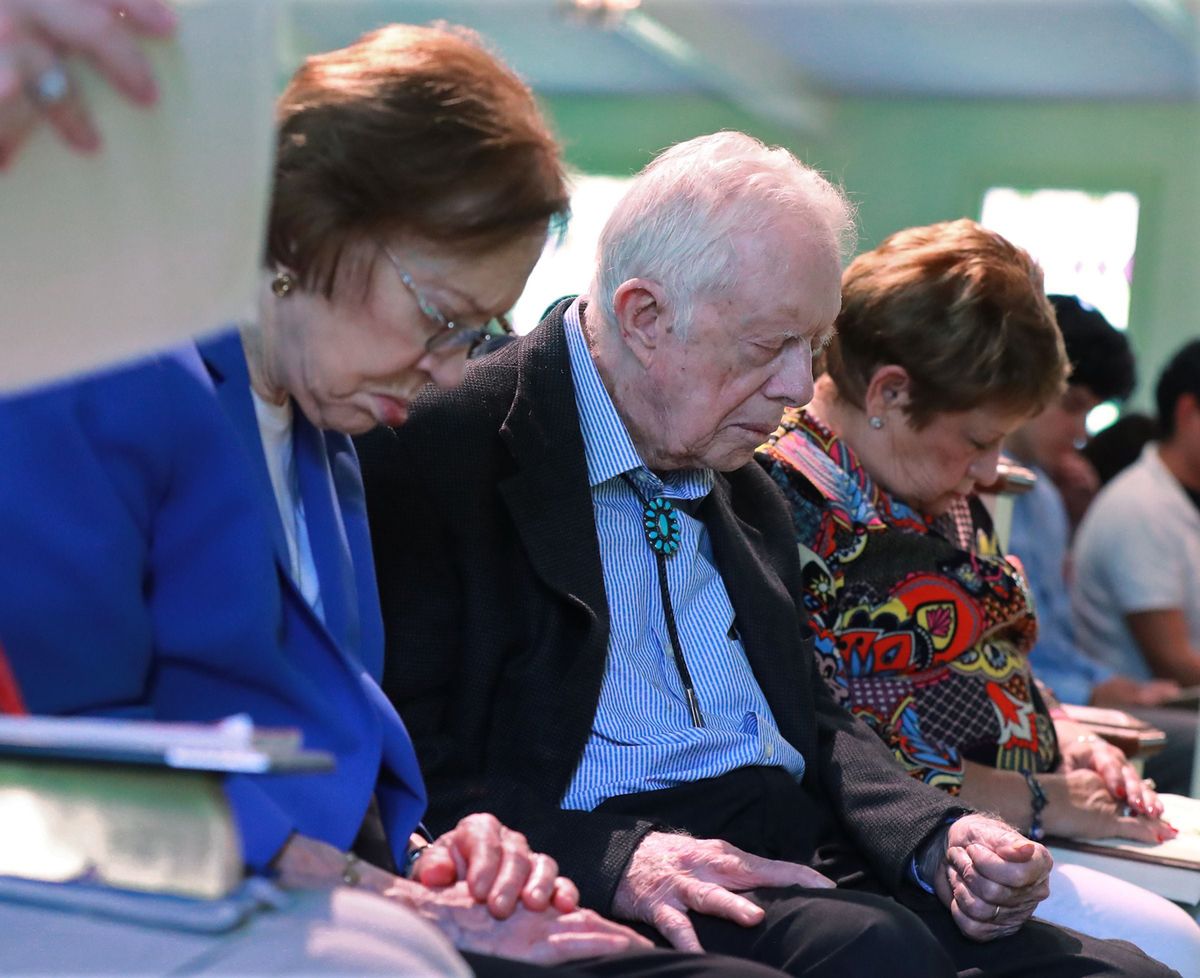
(661, 523)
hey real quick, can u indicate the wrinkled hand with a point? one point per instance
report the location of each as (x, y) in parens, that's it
(1120, 777)
(672, 874)
(1123, 691)
(992, 878)
(36, 34)
(1079, 805)
(498, 867)
(542, 937)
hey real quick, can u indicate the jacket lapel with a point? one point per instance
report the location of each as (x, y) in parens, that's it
(326, 534)
(226, 362)
(352, 505)
(765, 613)
(548, 497)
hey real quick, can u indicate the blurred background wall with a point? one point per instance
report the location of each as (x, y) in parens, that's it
(918, 107)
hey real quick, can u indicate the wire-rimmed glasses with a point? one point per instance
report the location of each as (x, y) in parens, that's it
(452, 336)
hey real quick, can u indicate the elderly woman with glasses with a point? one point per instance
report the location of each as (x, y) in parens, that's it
(185, 538)
(945, 344)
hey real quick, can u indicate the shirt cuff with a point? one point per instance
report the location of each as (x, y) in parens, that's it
(927, 856)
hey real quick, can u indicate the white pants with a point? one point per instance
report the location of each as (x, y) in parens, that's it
(1103, 906)
(320, 934)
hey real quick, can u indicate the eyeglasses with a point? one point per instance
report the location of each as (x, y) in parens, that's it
(452, 335)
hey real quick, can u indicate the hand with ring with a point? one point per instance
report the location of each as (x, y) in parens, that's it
(1125, 795)
(990, 877)
(35, 82)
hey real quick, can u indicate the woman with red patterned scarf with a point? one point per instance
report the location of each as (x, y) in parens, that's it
(945, 344)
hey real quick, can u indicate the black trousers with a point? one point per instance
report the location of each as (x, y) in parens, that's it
(858, 930)
(658, 963)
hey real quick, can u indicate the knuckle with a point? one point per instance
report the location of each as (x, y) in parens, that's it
(703, 896)
(662, 916)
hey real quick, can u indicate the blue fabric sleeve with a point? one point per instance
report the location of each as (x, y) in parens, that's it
(1039, 540)
(1060, 666)
(98, 567)
(264, 827)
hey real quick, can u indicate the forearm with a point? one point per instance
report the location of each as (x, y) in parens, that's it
(1007, 795)
(1179, 665)
(1163, 637)
(308, 863)
(1003, 793)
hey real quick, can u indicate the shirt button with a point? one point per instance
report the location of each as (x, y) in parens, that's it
(770, 750)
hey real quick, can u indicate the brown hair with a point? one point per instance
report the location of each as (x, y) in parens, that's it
(962, 310)
(409, 129)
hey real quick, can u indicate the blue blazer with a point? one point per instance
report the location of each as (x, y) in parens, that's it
(144, 573)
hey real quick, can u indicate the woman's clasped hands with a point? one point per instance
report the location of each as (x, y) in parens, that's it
(482, 886)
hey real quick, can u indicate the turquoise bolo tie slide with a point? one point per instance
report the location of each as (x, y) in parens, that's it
(661, 523)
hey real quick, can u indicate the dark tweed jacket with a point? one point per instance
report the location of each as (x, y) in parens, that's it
(497, 623)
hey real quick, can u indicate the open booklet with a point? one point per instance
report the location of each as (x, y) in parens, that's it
(1170, 869)
(132, 805)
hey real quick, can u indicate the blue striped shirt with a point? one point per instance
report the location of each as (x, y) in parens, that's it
(642, 736)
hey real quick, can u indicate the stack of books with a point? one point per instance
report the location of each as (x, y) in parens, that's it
(132, 805)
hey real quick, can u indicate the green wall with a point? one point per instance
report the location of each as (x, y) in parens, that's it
(908, 162)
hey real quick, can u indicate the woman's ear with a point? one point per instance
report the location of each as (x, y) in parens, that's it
(639, 311)
(888, 390)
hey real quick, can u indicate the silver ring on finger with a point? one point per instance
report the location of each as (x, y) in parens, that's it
(995, 914)
(50, 87)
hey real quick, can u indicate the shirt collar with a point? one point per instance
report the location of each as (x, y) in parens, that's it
(607, 447)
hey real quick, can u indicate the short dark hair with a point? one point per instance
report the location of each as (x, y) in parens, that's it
(1118, 446)
(1181, 377)
(962, 310)
(1100, 355)
(408, 130)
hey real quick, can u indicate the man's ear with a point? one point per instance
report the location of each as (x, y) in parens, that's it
(888, 390)
(638, 306)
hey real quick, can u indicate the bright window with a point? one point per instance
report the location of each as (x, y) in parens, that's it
(1085, 243)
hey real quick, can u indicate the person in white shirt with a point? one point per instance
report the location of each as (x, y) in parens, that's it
(1136, 593)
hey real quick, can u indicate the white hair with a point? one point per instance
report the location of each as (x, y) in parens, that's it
(676, 223)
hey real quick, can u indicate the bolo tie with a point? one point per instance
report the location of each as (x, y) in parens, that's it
(660, 521)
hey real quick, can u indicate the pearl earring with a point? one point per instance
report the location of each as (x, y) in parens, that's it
(282, 284)
(875, 422)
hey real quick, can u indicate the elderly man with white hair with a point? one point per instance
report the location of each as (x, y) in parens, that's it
(595, 628)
